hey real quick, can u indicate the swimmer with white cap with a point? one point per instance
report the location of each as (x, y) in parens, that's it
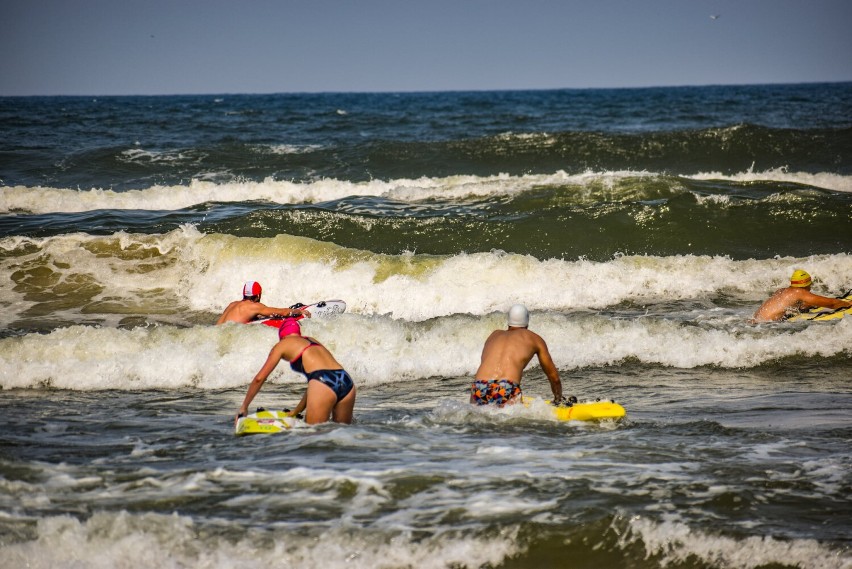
(505, 355)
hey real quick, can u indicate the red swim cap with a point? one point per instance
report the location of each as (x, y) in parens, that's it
(288, 327)
(251, 288)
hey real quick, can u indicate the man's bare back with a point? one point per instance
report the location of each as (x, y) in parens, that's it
(250, 308)
(788, 301)
(505, 355)
(244, 311)
(507, 352)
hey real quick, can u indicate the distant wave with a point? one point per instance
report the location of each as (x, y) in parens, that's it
(148, 156)
(48, 200)
(134, 143)
(826, 181)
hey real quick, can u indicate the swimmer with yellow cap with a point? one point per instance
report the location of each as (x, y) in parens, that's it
(796, 298)
(801, 279)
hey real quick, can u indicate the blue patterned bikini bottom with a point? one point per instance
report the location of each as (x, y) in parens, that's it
(336, 379)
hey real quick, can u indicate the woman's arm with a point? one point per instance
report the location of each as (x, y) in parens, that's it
(255, 385)
(301, 406)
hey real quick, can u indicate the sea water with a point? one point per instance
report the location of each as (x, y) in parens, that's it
(642, 228)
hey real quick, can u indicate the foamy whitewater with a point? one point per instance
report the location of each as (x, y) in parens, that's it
(642, 246)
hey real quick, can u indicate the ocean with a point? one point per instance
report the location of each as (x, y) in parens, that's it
(641, 227)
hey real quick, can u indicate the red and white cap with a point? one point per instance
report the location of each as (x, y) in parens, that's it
(251, 288)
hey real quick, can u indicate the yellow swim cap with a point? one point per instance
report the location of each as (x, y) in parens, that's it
(800, 278)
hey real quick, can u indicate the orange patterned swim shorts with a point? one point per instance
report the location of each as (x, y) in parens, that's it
(494, 392)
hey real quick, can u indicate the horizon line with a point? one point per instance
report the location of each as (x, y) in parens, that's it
(436, 91)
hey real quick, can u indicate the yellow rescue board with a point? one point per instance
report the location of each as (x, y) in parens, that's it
(823, 314)
(589, 411)
(264, 423)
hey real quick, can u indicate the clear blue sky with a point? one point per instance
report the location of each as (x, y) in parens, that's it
(115, 47)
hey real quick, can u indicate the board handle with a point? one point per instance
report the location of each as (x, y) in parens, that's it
(564, 401)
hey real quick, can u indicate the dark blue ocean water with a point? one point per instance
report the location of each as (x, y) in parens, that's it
(134, 142)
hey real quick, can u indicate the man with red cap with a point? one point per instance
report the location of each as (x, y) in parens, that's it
(250, 307)
(795, 298)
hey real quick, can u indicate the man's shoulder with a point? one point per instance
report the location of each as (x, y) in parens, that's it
(529, 337)
(804, 293)
(251, 305)
(791, 292)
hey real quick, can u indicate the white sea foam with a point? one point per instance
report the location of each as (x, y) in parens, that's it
(824, 180)
(413, 287)
(138, 155)
(185, 272)
(676, 543)
(109, 540)
(288, 148)
(158, 540)
(46, 199)
(185, 268)
(401, 309)
(380, 350)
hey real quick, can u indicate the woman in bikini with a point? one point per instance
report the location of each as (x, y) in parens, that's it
(330, 392)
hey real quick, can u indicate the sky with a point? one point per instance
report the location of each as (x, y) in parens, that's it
(157, 47)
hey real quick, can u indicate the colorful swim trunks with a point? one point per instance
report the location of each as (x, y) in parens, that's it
(494, 392)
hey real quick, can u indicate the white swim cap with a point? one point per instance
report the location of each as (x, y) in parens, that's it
(519, 316)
